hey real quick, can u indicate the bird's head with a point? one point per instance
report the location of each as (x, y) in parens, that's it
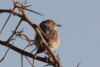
(49, 23)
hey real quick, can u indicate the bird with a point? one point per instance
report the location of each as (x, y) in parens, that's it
(51, 36)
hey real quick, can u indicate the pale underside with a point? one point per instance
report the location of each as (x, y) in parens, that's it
(53, 45)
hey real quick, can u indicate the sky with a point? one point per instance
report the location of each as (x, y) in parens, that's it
(79, 34)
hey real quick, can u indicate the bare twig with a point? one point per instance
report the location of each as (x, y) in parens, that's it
(46, 65)
(25, 2)
(33, 50)
(29, 10)
(33, 62)
(29, 61)
(58, 56)
(22, 55)
(22, 33)
(4, 55)
(25, 56)
(28, 39)
(15, 4)
(6, 52)
(21, 60)
(14, 32)
(78, 64)
(7, 20)
(27, 46)
(50, 64)
(28, 6)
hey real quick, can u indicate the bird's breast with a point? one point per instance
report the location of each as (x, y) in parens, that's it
(52, 38)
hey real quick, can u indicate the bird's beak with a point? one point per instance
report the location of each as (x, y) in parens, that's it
(58, 25)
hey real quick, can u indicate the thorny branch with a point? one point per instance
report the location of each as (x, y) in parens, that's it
(24, 17)
(29, 61)
(15, 4)
(14, 32)
(6, 52)
(25, 53)
(7, 20)
(20, 33)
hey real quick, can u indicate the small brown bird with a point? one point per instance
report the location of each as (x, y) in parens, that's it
(49, 28)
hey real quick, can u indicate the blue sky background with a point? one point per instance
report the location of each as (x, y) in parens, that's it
(79, 34)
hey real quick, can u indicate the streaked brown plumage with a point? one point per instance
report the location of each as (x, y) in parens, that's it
(49, 28)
